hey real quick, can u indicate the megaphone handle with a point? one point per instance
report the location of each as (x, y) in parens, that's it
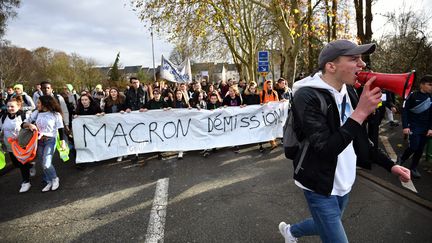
(357, 85)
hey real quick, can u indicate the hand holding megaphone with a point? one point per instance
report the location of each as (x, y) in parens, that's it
(369, 100)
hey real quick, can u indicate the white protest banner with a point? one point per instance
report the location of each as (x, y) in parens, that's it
(180, 74)
(113, 135)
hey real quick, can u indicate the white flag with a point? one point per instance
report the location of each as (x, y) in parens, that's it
(180, 74)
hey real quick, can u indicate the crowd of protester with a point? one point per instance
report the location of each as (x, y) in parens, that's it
(52, 113)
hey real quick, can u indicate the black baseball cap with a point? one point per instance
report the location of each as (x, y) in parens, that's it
(426, 79)
(339, 48)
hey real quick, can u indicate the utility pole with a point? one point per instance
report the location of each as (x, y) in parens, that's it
(154, 68)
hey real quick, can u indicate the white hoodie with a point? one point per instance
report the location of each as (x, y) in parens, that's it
(346, 161)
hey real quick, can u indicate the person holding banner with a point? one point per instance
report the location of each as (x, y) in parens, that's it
(48, 122)
(198, 100)
(10, 126)
(268, 95)
(233, 99)
(180, 102)
(115, 102)
(157, 103)
(212, 104)
(136, 96)
(251, 94)
(251, 97)
(87, 106)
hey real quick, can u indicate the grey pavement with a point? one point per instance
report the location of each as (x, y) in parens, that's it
(399, 144)
(226, 197)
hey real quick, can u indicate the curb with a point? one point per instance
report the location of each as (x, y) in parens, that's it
(400, 191)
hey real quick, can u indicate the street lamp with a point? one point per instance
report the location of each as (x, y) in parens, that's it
(154, 68)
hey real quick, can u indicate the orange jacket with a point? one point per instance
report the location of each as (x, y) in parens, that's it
(267, 95)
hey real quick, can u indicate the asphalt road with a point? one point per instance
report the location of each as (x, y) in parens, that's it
(226, 197)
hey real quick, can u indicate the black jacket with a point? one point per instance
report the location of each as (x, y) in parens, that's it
(136, 99)
(328, 139)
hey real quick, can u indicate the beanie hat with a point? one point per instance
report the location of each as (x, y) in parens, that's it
(69, 87)
(19, 86)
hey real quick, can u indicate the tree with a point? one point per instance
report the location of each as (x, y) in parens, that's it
(7, 11)
(180, 52)
(114, 73)
(407, 46)
(290, 17)
(20, 65)
(236, 24)
(364, 36)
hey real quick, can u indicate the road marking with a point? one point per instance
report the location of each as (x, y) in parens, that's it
(384, 140)
(155, 228)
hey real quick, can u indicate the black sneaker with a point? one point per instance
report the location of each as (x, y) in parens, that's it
(80, 166)
(135, 159)
(261, 149)
(160, 157)
(415, 174)
(236, 149)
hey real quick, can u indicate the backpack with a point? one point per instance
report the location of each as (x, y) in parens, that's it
(292, 146)
(4, 115)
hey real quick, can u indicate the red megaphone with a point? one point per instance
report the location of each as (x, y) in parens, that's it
(397, 83)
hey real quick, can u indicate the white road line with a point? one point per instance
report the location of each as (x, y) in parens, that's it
(156, 226)
(384, 140)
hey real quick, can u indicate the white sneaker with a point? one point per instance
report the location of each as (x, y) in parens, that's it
(47, 187)
(180, 155)
(119, 159)
(33, 171)
(25, 187)
(55, 184)
(284, 229)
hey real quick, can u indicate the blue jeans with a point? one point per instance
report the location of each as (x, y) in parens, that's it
(45, 152)
(326, 218)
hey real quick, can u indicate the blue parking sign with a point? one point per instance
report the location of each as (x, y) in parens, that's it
(263, 56)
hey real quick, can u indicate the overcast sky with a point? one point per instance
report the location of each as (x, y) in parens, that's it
(96, 29)
(99, 29)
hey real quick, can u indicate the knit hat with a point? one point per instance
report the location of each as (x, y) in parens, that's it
(19, 86)
(69, 87)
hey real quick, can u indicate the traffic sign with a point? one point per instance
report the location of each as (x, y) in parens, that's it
(263, 56)
(263, 62)
(263, 69)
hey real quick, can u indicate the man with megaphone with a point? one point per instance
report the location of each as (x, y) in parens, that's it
(337, 139)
